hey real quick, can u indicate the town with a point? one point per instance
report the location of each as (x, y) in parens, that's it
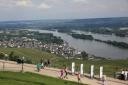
(26, 39)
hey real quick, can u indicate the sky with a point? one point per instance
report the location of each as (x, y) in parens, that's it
(61, 9)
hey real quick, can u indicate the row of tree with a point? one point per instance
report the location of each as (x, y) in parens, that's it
(114, 43)
(82, 36)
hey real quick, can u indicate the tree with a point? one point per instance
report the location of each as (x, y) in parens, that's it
(11, 56)
(84, 55)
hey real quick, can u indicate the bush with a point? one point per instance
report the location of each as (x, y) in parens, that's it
(2, 55)
(29, 61)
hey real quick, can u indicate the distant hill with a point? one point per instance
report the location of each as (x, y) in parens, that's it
(116, 22)
(103, 22)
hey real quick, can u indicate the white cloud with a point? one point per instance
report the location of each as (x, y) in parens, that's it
(44, 6)
(24, 3)
(80, 0)
(9, 3)
(13, 3)
(63, 8)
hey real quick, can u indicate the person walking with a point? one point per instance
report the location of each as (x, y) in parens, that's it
(61, 73)
(104, 80)
(42, 65)
(38, 67)
(66, 73)
(123, 74)
(41, 60)
(48, 62)
(78, 78)
(45, 63)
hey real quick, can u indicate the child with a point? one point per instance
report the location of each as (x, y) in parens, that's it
(78, 77)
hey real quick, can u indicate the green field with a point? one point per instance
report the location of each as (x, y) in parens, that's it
(17, 78)
(110, 66)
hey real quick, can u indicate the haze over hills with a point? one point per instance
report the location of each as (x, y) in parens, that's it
(116, 22)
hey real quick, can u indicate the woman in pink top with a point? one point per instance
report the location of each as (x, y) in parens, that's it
(61, 73)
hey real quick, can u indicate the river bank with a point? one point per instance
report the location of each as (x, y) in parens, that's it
(92, 47)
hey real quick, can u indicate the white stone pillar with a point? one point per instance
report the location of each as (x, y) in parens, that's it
(101, 72)
(73, 67)
(92, 71)
(126, 75)
(81, 69)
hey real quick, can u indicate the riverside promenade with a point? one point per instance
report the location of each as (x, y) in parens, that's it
(54, 72)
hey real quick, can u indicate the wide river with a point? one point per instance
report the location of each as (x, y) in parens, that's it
(94, 47)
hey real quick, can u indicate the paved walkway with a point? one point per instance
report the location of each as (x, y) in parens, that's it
(12, 66)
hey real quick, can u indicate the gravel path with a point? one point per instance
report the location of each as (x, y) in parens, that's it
(13, 66)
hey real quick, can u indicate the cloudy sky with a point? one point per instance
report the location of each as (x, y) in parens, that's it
(61, 9)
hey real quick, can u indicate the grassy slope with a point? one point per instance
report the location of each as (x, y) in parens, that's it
(110, 66)
(8, 78)
(34, 54)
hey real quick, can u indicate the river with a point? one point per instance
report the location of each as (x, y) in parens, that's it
(104, 37)
(94, 47)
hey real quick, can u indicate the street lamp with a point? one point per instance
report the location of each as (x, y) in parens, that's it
(22, 61)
